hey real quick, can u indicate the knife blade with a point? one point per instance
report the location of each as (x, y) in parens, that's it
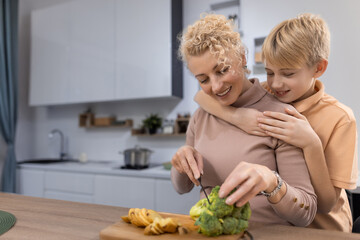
(202, 188)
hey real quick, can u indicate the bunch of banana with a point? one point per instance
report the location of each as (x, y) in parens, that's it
(152, 221)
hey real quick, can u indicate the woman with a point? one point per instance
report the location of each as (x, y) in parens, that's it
(225, 155)
(330, 146)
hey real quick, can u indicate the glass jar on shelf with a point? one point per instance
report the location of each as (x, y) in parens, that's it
(168, 126)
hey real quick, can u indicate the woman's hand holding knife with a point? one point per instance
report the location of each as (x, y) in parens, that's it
(189, 161)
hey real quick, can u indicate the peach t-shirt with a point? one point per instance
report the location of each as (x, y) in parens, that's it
(335, 125)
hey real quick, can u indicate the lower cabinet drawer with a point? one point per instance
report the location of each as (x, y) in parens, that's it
(79, 183)
(30, 182)
(131, 192)
(168, 200)
(69, 196)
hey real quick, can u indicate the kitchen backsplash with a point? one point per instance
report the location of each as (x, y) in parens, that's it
(103, 144)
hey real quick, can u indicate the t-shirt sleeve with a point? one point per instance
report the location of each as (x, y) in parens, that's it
(341, 155)
(299, 204)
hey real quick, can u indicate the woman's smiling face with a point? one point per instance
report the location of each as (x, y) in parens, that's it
(225, 84)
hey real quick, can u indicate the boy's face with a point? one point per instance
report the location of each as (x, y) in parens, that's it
(223, 84)
(291, 84)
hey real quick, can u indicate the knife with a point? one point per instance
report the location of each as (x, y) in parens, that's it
(202, 188)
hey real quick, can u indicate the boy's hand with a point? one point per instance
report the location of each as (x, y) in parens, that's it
(243, 118)
(292, 128)
(247, 120)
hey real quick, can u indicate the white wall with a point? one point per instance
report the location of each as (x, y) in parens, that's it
(257, 19)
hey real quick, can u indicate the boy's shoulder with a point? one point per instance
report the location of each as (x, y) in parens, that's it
(327, 106)
(333, 107)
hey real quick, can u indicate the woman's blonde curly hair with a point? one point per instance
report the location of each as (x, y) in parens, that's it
(214, 33)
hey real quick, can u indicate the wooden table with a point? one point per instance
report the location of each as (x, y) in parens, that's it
(40, 218)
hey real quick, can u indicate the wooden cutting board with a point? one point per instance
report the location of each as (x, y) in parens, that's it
(122, 230)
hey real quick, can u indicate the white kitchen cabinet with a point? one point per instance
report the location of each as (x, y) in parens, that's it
(49, 55)
(168, 200)
(30, 182)
(134, 192)
(130, 190)
(103, 50)
(145, 37)
(68, 196)
(125, 191)
(72, 53)
(69, 186)
(91, 55)
(69, 182)
(55, 184)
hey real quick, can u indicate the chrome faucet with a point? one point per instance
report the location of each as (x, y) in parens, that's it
(63, 154)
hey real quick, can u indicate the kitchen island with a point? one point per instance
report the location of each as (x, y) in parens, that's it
(40, 218)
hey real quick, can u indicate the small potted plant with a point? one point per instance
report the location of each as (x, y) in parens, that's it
(152, 123)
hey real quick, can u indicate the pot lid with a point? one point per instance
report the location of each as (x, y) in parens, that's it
(137, 148)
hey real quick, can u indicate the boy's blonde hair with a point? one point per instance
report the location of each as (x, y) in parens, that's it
(214, 33)
(297, 41)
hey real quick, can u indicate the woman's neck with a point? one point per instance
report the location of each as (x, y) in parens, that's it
(246, 85)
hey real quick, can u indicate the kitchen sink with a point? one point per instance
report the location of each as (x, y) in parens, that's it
(47, 160)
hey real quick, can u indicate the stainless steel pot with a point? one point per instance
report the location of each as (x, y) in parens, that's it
(137, 157)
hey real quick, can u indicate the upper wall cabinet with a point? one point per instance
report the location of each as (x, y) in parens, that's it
(49, 56)
(145, 33)
(72, 55)
(92, 44)
(105, 50)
